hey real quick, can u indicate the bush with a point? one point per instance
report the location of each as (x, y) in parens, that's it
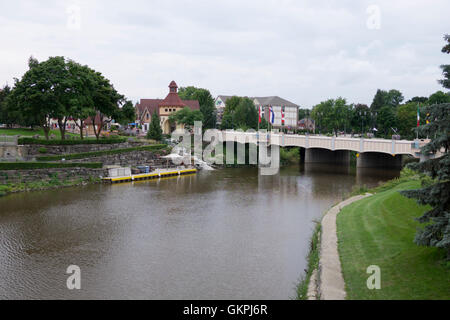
(45, 165)
(42, 150)
(100, 153)
(28, 140)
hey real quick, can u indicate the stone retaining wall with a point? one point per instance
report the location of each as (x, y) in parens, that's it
(33, 149)
(126, 159)
(62, 174)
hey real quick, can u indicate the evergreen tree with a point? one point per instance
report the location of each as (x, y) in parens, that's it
(436, 232)
(154, 131)
(446, 67)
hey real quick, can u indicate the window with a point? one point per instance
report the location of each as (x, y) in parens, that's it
(147, 116)
(166, 110)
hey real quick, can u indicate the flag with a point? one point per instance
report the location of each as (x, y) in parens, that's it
(418, 116)
(282, 116)
(271, 115)
(259, 114)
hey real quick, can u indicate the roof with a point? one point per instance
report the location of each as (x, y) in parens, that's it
(274, 101)
(265, 101)
(171, 100)
(224, 98)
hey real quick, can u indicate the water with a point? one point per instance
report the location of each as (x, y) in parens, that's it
(222, 234)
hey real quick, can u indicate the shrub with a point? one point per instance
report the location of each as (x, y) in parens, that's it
(44, 165)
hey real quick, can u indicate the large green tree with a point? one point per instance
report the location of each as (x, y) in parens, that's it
(186, 116)
(245, 116)
(332, 115)
(446, 67)
(4, 112)
(382, 98)
(387, 121)
(39, 94)
(61, 89)
(436, 231)
(206, 102)
(438, 97)
(126, 114)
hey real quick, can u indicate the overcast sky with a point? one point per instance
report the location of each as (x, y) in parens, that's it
(304, 51)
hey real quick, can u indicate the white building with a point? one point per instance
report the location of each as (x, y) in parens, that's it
(278, 105)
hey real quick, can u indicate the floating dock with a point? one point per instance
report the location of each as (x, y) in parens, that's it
(159, 173)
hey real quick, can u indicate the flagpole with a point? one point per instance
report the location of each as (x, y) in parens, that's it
(418, 122)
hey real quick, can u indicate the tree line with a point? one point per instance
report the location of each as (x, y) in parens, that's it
(387, 114)
(65, 90)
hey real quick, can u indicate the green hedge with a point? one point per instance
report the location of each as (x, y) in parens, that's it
(28, 140)
(45, 165)
(84, 155)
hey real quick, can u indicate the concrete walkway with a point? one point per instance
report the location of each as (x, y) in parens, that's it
(332, 286)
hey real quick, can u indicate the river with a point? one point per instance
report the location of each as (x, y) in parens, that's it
(223, 234)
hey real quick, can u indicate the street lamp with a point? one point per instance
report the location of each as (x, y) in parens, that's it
(362, 119)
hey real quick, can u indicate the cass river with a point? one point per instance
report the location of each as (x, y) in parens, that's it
(223, 234)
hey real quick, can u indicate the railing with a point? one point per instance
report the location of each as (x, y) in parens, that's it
(8, 140)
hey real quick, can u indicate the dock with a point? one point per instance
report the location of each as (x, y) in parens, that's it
(158, 173)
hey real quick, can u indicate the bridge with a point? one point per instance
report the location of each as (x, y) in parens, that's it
(336, 150)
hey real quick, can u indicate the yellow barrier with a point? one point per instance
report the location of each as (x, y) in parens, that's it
(145, 176)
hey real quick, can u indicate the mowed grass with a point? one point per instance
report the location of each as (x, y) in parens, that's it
(380, 230)
(31, 132)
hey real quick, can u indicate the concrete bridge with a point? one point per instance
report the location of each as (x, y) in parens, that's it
(336, 150)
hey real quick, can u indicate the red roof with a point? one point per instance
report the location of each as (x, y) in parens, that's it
(172, 100)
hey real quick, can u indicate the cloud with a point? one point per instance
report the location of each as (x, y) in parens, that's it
(304, 51)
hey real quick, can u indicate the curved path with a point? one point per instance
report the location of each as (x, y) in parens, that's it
(332, 286)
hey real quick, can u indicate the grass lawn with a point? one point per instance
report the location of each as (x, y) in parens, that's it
(379, 230)
(30, 132)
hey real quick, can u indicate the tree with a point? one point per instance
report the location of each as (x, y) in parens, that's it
(394, 97)
(436, 232)
(4, 116)
(245, 116)
(154, 130)
(227, 121)
(186, 116)
(127, 114)
(439, 97)
(446, 67)
(38, 95)
(386, 120)
(436, 194)
(332, 115)
(206, 102)
(379, 100)
(360, 113)
(382, 98)
(106, 101)
(231, 105)
(407, 119)
(417, 99)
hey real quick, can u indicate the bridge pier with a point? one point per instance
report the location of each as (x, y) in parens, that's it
(378, 160)
(317, 155)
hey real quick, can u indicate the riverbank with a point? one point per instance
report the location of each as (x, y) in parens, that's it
(378, 230)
